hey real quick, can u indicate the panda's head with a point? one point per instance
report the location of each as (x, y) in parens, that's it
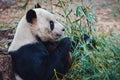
(36, 22)
(43, 24)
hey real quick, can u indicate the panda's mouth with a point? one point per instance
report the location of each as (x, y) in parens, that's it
(58, 35)
(55, 38)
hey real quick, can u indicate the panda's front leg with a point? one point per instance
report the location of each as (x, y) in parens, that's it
(63, 52)
(64, 45)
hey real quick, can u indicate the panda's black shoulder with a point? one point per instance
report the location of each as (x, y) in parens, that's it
(29, 49)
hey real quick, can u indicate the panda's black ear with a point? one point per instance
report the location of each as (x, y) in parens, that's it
(31, 16)
(37, 5)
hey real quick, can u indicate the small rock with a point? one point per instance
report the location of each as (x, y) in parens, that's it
(4, 32)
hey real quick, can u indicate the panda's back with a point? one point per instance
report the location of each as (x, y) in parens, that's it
(29, 61)
(32, 62)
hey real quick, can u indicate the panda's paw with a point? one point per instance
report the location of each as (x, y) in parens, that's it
(65, 40)
(65, 43)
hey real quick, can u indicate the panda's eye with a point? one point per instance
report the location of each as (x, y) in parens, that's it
(51, 25)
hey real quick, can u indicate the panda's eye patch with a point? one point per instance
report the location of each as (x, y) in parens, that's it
(51, 25)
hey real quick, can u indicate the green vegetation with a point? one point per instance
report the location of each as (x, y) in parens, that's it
(3, 26)
(94, 58)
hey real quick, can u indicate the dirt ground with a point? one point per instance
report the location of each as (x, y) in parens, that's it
(106, 21)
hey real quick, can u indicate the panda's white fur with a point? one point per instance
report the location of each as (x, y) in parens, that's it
(17, 77)
(25, 33)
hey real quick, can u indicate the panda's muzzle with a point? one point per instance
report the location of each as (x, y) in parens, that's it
(60, 34)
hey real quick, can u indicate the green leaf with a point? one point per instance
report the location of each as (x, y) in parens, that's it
(79, 11)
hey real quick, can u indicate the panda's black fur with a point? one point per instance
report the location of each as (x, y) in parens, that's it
(31, 14)
(33, 62)
(37, 61)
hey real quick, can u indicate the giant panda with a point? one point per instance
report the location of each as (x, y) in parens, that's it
(31, 49)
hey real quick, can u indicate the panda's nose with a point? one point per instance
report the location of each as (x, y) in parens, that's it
(63, 29)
